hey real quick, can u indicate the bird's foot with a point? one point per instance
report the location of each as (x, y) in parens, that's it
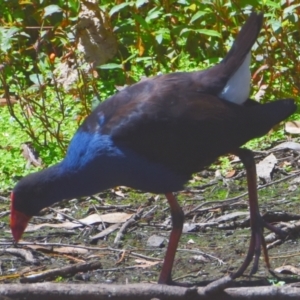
(257, 242)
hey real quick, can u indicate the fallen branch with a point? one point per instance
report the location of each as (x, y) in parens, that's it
(50, 291)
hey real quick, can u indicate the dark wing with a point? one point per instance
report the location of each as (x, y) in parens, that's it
(168, 121)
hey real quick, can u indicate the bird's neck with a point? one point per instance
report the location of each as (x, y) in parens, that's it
(67, 183)
(59, 182)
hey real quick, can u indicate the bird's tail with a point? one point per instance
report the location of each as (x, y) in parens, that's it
(243, 43)
(262, 117)
(213, 80)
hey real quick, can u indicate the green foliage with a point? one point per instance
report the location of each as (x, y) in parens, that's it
(60, 279)
(225, 165)
(11, 160)
(153, 36)
(276, 282)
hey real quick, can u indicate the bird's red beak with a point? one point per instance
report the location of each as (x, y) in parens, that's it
(18, 223)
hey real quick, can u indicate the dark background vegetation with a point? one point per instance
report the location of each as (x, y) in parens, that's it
(153, 36)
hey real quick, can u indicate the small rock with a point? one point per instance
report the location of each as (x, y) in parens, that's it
(187, 227)
(155, 241)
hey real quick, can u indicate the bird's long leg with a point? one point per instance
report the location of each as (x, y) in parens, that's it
(177, 223)
(256, 222)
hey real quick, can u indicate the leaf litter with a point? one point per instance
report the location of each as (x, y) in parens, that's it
(214, 242)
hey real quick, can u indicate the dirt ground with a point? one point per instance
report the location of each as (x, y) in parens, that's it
(214, 244)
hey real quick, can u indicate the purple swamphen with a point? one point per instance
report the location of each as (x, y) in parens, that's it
(155, 134)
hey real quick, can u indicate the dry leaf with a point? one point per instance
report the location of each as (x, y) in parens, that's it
(70, 250)
(265, 167)
(191, 241)
(119, 193)
(292, 127)
(62, 250)
(142, 263)
(91, 219)
(288, 145)
(230, 174)
(31, 155)
(288, 269)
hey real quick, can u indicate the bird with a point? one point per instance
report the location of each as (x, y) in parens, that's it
(155, 134)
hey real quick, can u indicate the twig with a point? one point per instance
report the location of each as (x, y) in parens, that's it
(86, 248)
(130, 221)
(65, 271)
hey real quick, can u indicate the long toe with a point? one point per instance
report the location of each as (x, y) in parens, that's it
(257, 242)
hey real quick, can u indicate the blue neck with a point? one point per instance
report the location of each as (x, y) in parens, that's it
(93, 163)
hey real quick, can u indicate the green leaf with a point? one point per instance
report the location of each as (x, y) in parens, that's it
(118, 7)
(22, 33)
(154, 13)
(140, 3)
(51, 9)
(111, 66)
(6, 36)
(162, 34)
(197, 15)
(288, 10)
(141, 20)
(184, 30)
(209, 32)
(159, 38)
(37, 79)
(275, 24)
(129, 58)
(138, 59)
(275, 4)
(11, 32)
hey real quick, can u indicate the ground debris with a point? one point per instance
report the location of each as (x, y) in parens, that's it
(216, 232)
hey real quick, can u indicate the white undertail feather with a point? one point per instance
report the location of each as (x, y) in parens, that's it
(237, 89)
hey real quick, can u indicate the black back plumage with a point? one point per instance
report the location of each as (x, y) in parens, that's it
(167, 120)
(179, 119)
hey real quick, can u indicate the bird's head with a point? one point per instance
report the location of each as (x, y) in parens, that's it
(35, 192)
(18, 220)
(27, 199)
